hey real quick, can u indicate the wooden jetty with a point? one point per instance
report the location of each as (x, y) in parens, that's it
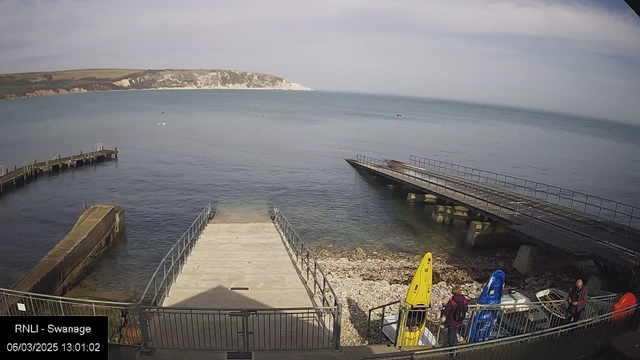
(30, 172)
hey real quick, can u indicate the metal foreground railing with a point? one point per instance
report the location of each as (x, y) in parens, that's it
(615, 211)
(172, 263)
(508, 320)
(569, 341)
(310, 272)
(124, 318)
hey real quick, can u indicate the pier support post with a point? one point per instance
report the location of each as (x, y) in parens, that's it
(456, 215)
(482, 233)
(422, 198)
(438, 214)
(534, 260)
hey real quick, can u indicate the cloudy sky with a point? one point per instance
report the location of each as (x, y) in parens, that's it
(570, 56)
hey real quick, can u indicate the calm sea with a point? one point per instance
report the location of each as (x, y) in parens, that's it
(244, 150)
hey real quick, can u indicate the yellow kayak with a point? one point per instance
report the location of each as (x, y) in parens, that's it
(418, 298)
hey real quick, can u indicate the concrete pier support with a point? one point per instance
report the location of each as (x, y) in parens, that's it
(422, 198)
(482, 233)
(438, 214)
(449, 214)
(533, 260)
(456, 215)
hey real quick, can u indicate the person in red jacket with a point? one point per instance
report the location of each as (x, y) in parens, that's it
(577, 300)
(449, 312)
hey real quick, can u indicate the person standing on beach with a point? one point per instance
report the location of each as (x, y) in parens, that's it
(577, 300)
(454, 313)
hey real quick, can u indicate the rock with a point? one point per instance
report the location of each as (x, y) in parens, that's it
(365, 279)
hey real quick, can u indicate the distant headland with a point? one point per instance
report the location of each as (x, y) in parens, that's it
(86, 80)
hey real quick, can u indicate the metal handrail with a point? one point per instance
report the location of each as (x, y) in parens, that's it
(244, 309)
(303, 256)
(178, 255)
(501, 181)
(549, 333)
(124, 319)
(474, 192)
(520, 312)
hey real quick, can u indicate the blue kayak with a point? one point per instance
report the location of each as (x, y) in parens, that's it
(484, 321)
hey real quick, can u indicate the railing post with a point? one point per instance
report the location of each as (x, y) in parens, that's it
(166, 282)
(324, 291)
(6, 302)
(308, 266)
(400, 328)
(245, 329)
(547, 197)
(337, 325)
(600, 209)
(155, 288)
(144, 329)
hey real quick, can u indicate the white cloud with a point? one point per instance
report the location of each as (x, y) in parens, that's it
(561, 55)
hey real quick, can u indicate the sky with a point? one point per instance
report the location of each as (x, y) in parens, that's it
(580, 57)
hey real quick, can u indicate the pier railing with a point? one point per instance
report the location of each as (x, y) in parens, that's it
(615, 211)
(570, 341)
(510, 320)
(172, 263)
(310, 271)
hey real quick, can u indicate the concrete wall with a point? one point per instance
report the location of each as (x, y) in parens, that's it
(68, 261)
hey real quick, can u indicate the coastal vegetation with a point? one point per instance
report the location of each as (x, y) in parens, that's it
(86, 80)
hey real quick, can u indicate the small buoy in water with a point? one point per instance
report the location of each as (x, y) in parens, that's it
(163, 112)
(399, 114)
(163, 123)
(158, 124)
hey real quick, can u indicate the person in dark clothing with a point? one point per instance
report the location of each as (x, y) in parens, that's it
(577, 300)
(449, 311)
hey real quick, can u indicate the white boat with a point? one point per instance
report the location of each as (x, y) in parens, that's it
(521, 318)
(554, 301)
(518, 301)
(390, 328)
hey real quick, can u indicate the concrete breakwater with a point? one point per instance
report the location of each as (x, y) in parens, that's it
(64, 266)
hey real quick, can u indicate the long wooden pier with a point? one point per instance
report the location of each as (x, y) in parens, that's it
(589, 232)
(30, 172)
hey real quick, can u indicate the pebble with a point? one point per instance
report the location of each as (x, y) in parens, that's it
(365, 279)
